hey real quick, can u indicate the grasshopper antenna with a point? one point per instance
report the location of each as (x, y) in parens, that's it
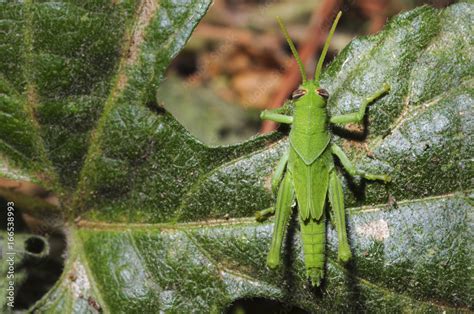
(293, 49)
(326, 47)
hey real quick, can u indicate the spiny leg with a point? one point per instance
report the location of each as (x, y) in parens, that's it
(336, 198)
(358, 116)
(263, 215)
(279, 170)
(285, 199)
(347, 164)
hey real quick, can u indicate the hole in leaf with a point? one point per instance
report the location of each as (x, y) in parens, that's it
(35, 245)
(207, 116)
(39, 245)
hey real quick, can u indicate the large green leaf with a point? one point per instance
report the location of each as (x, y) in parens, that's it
(164, 219)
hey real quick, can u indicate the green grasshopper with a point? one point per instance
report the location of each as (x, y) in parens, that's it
(306, 171)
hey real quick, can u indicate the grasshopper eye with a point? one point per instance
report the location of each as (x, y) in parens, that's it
(323, 93)
(298, 93)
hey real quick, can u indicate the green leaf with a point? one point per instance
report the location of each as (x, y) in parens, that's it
(157, 220)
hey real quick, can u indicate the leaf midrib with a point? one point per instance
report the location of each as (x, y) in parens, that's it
(248, 221)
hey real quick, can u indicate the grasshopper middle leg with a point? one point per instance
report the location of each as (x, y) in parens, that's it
(347, 164)
(263, 215)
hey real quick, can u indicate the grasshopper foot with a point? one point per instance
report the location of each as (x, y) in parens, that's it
(273, 261)
(382, 177)
(344, 254)
(259, 216)
(263, 215)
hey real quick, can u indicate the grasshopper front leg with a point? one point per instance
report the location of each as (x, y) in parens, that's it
(276, 115)
(285, 199)
(358, 116)
(352, 170)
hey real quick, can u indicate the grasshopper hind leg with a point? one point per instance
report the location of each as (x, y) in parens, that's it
(336, 198)
(285, 199)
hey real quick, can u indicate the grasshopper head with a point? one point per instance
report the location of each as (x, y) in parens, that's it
(310, 86)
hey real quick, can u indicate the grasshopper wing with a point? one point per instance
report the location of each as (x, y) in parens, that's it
(310, 183)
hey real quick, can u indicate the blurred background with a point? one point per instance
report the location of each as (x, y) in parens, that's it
(237, 62)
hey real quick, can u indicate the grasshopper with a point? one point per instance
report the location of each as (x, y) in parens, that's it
(306, 172)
